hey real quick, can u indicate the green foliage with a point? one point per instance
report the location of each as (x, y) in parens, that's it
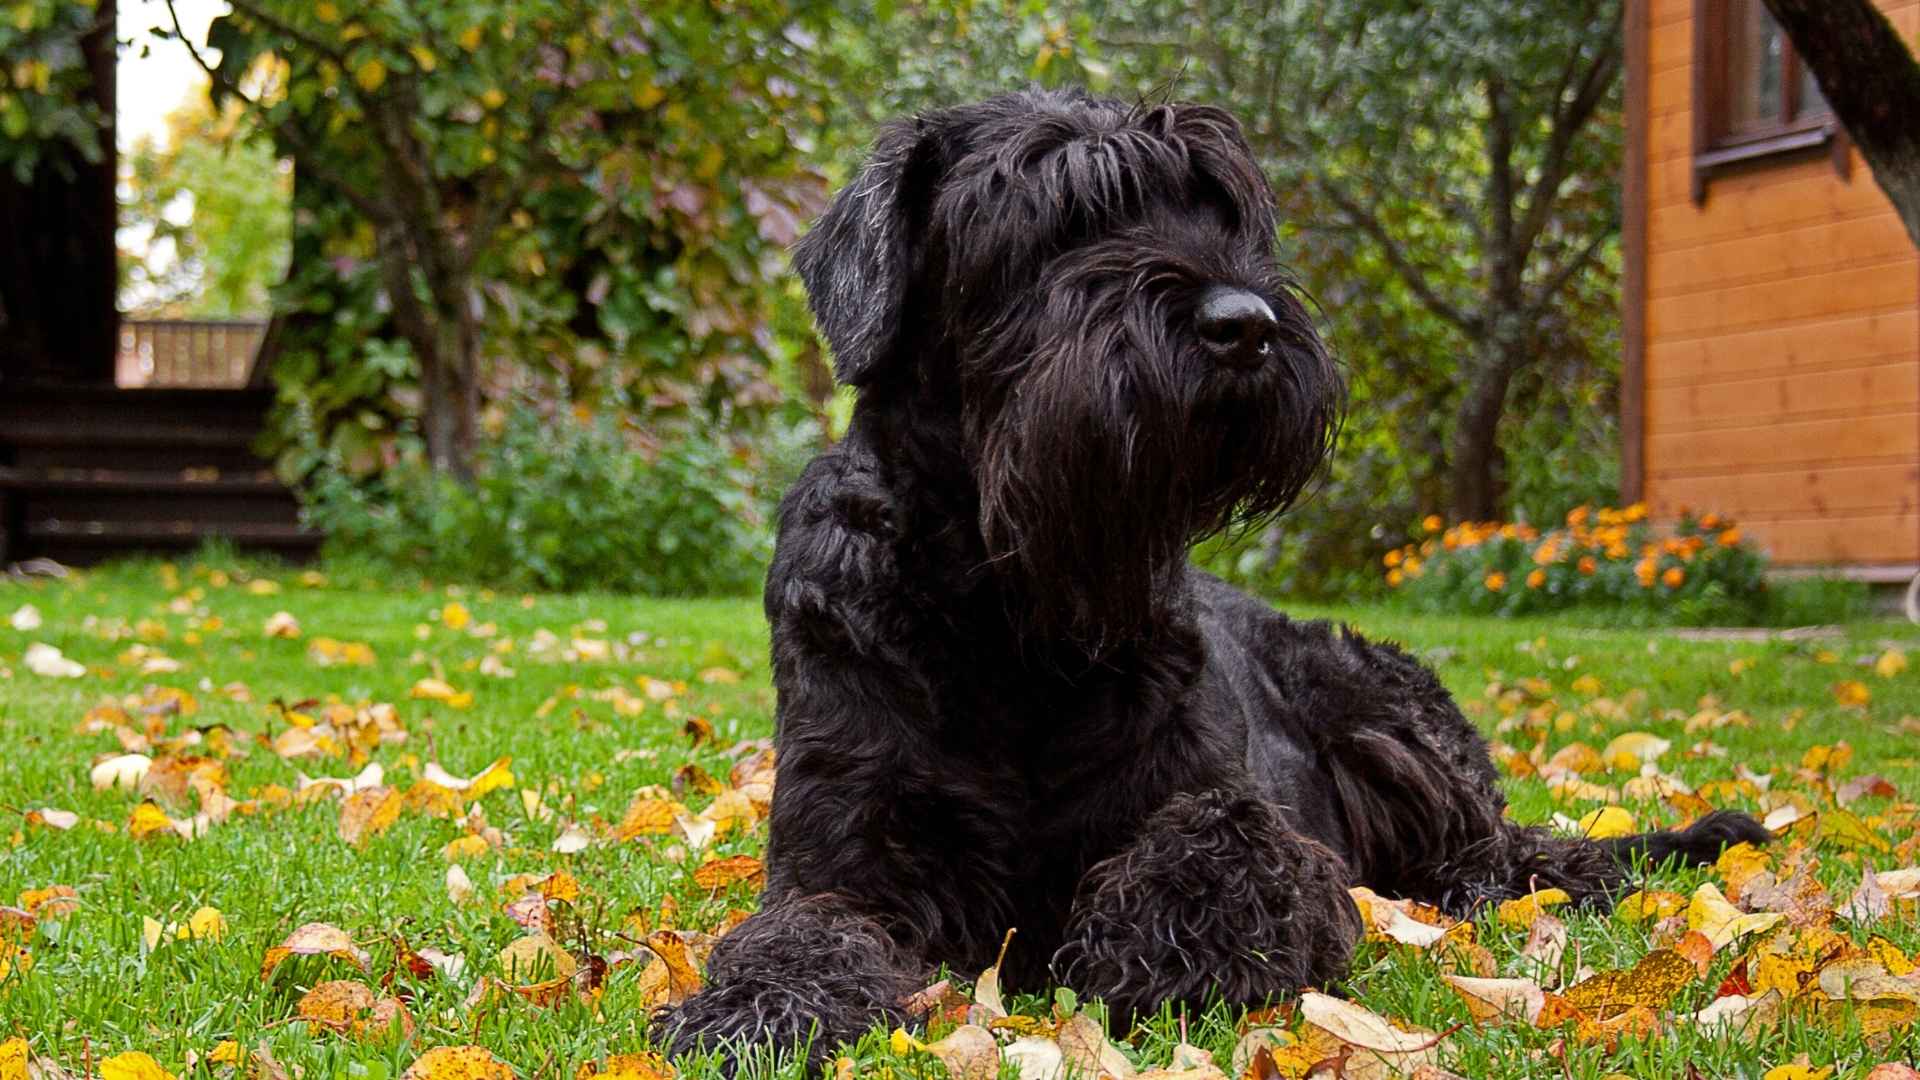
(1704, 571)
(620, 181)
(215, 209)
(562, 504)
(46, 92)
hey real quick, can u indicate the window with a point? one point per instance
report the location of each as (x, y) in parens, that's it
(1753, 98)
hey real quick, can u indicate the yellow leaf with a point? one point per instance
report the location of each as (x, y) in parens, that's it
(151, 931)
(1640, 907)
(1852, 692)
(311, 939)
(132, 1065)
(647, 95)
(1519, 914)
(1844, 828)
(536, 956)
(466, 847)
(1575, 757)
(458, 1063)
(423, 57)
(455, 616)
(146, 820)
(1651, 983)
(1606, 823)
(13, 1059)
(206, 924)
(326, 12)
(1797, 1072)
(471, 37)
(1891, 663)
(1710, 913)
(367, 814)
(371, 75)
(1633, 749)
(647, 816)
(720, 873)
(493, 98)
(225, 1052)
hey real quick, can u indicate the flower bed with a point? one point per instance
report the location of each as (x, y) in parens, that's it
(1700, 570)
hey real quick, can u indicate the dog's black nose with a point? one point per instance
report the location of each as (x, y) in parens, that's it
(1238, 327)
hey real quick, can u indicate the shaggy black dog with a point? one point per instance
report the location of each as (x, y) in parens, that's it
(1005, 698)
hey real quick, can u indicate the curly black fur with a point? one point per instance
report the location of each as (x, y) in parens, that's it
(1218, 898)
(1005, 698)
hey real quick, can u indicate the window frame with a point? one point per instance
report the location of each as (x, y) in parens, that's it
(1716, 147)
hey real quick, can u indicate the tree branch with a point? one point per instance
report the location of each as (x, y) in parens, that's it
(1572, 268)
(1569, 119)
(305, 153)
(1414, 277)
(1871, 81)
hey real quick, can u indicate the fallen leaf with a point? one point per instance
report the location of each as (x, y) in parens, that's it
(47, 662)
(124, 771)
(1492, 999)
(132, 1065)
(1651, 983)
(459, 885)
(1519, 914)
(313, 939)
(458, 1063)
(1710, 913)
(350, 1008)
(1606, 823)
(367, 814)
(716, 874)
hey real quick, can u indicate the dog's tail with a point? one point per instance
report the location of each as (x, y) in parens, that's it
(1518, 859)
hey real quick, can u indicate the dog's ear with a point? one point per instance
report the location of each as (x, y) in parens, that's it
(857, 259)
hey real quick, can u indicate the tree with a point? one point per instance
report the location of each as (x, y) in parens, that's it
(210, 213)
(1872, 82)
(1461, 144)
(538, 183)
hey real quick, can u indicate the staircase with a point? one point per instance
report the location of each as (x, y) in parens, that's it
(90, 472)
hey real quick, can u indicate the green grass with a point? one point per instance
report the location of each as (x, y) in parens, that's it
(94, 988)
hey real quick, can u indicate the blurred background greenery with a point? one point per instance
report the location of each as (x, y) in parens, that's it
(529, 254)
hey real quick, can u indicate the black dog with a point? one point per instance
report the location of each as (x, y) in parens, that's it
(1005, 698)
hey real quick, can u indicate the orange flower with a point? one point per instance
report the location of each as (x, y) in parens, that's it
(1578, 515)
(1536, 579)
(1731, 537)
(1412, 567)
(1496, 581)
(1394, 578)
(1392, 558)
(1636, 512)
(1674, 577)
(1587, 565)
(1646, 570)
(1433, 523)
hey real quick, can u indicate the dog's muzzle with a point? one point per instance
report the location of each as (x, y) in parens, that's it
(1238, 327)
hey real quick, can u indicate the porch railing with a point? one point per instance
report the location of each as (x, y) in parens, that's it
(187, 352)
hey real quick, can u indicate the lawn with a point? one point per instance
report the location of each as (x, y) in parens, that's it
(607, 711)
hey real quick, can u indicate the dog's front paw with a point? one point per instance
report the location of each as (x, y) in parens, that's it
(1217, 898)
(802, 977)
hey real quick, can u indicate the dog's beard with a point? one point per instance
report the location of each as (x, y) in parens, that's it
(1115, 447)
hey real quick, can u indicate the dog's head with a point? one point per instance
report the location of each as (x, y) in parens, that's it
(1091, 287)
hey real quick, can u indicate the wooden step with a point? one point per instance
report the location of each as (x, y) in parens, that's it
(79, 543)
(49, 494)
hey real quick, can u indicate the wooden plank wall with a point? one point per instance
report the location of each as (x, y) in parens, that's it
(1781, 372)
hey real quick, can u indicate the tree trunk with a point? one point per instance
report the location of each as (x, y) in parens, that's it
(1873, 84)
(1476, 436)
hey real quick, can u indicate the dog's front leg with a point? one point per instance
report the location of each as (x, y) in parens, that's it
(805, 974)
(1217, 897)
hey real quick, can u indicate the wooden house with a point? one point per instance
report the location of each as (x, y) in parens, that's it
(1772, 298)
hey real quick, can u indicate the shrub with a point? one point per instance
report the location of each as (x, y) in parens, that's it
(568, 505)
(1703, 571)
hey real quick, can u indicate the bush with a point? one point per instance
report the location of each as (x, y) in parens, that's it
(1702, 572)
(562, 504)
